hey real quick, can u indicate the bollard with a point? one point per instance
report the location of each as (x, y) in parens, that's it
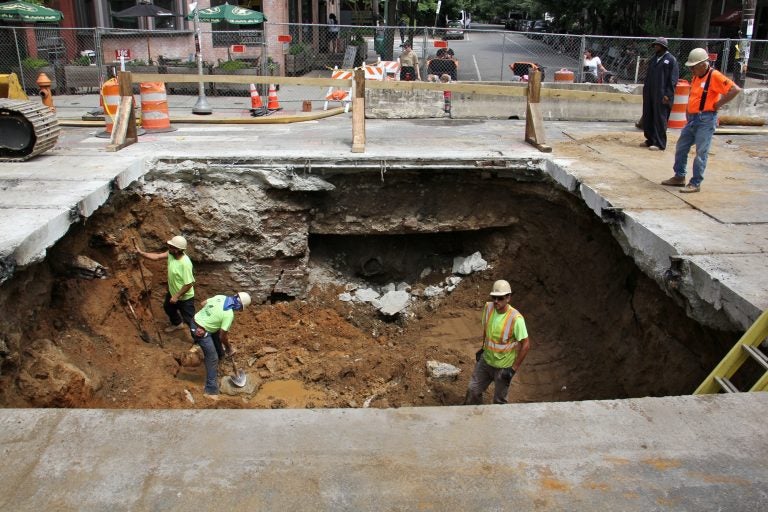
(306, 106)
(44, 83)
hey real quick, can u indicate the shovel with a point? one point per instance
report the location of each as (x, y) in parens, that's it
(136, 322)
(239, 379)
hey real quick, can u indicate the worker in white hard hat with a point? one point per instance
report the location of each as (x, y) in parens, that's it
(179, 303)
(710, 90)
(211, 331)
(505, 345)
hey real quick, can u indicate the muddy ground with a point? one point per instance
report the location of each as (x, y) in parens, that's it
(599, 328)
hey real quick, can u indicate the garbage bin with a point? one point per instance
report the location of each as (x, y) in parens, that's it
(379, 44)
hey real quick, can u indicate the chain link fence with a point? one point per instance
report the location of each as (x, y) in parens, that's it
(79, 60)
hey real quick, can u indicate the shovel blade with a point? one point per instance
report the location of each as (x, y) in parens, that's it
(239, 379)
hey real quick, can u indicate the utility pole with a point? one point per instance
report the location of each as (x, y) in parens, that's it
(746, 32)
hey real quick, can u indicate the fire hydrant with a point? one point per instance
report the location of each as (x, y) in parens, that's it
(44, 83)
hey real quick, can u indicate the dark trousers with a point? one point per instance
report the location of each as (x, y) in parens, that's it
(182, 311)
(481, 378)
(655, 118)
(408, 73)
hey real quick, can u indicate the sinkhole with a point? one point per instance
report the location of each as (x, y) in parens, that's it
(302, 244)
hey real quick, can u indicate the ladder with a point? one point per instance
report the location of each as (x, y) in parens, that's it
(747, 346)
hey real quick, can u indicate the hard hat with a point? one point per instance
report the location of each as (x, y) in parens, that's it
(501, 288)
(696, 56)
(178, 242)
(245, 299)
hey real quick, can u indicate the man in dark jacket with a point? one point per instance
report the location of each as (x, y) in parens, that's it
(659, 95)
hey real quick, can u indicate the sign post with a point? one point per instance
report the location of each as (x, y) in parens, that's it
(201, 106)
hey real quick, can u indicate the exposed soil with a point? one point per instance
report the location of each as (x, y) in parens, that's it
(599, 328)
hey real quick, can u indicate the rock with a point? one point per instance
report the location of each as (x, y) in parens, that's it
(350, 287)
(287, 180)
(453, 280)
(390, 287)
(433, 291)
(366, 295)
(252, 385)
(442, 371)
(394, 302)
(425, 273)
(266, 350)
(47, 378)
(403, 287)
(345, 297)
(450, 288)
(472, 263)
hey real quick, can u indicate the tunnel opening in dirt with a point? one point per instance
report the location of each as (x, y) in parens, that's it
(319, 252)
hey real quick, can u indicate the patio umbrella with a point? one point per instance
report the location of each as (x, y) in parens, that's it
(144, 10)
(229, 13)
(29, 13)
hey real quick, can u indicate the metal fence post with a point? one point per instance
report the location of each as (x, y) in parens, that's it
(726, 53)
(98, 49)
(582, 50)
(503, 48)
(18, 56)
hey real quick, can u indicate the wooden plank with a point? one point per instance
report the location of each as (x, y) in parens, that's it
(534, 128)
(118, 138)
(605, 97)
(358, 113)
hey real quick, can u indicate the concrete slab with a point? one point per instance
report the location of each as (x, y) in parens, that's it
(676, 453)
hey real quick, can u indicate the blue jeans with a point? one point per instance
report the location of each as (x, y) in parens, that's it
(211, 363)
(698, 130)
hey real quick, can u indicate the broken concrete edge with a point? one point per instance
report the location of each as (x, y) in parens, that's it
(707, 299)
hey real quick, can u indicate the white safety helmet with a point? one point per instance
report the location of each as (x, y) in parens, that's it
(245, 299)
(501, 288)
(696, 56)
(178, 242)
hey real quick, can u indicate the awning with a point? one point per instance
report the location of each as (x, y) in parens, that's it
(730, 18)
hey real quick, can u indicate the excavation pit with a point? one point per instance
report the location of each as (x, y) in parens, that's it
(298, 240)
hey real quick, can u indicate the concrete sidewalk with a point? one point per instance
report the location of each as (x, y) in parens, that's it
(676, 453)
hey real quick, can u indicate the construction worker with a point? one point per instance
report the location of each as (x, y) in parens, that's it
(710, 90)
(211, 331)
(505, 345)
(179, 303)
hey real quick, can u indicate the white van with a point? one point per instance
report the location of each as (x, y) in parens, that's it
(465, 17)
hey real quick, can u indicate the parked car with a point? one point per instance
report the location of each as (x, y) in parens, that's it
(542, 27)
(524, 25)
(454, 30)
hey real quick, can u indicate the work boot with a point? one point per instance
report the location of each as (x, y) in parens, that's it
(674, 181)
(172, 328)
(689, 188)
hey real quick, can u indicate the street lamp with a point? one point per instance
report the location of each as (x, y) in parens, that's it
(201, 106)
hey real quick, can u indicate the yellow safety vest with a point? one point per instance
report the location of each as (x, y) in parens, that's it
(502, 345)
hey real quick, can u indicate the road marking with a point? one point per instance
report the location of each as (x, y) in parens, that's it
(477, 68)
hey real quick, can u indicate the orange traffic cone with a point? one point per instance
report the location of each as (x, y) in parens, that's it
(272, 103)
(257, 107)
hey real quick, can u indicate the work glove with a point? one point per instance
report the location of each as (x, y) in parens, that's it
(507, 374)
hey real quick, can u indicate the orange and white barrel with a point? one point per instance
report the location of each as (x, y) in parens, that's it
(110, 94)
(564, 76)
(677, 116)
(154, 107)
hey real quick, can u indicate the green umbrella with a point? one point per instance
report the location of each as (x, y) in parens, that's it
(23, 11)
(229, 13)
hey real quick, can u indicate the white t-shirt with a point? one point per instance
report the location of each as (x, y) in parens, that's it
(592, 64)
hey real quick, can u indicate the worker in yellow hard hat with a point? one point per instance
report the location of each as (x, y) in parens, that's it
(179, 303)
(505, 345)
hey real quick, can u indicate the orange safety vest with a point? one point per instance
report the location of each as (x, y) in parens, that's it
(502, 345)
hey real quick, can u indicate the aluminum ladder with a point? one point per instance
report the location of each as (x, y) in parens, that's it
(747, 346)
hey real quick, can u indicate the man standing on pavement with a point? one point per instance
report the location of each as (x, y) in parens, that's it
(179, 303)
(658, 95)
(211, 331)
(710, 90)
(409, 64)
(505, 345)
